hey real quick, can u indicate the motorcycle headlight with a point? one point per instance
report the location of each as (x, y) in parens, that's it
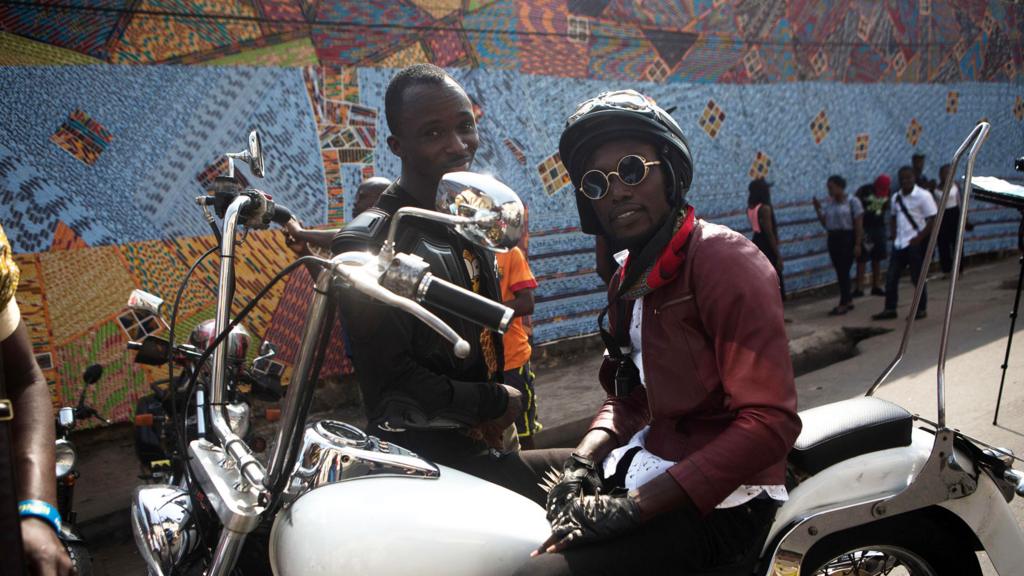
(164, 529)
(65, 458)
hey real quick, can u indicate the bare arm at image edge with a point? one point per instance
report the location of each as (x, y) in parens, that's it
(33, 442)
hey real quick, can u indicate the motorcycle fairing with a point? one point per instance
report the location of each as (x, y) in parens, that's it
(364, 232)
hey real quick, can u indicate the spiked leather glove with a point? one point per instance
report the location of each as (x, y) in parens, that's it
(579, 478)
(589, 519)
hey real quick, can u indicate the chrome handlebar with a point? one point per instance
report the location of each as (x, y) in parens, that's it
(219, 468)
(364, 278)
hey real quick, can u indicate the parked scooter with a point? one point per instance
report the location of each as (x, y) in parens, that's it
(876, 490)
(157, 444)
(67, 470)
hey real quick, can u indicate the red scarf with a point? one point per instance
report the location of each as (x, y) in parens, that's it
(669, 262)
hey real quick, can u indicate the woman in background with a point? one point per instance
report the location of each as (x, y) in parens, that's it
(843, 217)
(762, 222)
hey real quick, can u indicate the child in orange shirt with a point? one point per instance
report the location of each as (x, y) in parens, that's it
(517, 285)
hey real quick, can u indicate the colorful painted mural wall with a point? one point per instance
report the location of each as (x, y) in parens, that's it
(116, 113)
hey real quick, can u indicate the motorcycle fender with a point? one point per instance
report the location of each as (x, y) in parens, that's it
(456, 525)
(988, 515)
(860, 479)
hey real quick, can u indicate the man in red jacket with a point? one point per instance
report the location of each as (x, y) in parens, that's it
(683, 467)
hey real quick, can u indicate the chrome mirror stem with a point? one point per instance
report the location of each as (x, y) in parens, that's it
(387, 250)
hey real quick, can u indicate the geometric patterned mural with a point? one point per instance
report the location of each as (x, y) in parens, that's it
(116, 115)
(726, 41)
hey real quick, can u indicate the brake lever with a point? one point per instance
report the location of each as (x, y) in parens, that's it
(352, 269)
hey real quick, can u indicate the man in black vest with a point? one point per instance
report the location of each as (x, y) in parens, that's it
(416, 393)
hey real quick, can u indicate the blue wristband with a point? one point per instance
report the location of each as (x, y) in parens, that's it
(42, 510)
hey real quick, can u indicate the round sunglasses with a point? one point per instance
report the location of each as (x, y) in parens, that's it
(631, 170)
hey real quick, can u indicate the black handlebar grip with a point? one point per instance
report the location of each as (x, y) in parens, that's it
(465, 304)
(281, 215)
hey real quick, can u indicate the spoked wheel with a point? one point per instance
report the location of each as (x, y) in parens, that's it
(928, 543)
(878, 561)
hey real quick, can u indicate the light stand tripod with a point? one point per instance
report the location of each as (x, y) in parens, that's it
(1013, 316)
(1012, 199)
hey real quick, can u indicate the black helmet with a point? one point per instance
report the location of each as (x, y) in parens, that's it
(616, 115)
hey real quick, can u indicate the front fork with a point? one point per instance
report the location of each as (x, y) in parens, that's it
(66, 496)
(239, 504)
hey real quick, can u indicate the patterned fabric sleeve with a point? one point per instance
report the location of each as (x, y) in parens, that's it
(9, 273)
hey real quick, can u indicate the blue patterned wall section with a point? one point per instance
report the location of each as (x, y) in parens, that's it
(774, 118)
(107, 157)
(168, 124)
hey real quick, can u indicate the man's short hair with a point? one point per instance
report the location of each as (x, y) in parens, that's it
(837, 180)
(405, 78)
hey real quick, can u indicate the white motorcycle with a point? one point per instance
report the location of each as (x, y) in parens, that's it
(870, 492)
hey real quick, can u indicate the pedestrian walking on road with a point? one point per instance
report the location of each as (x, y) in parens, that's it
(913, 214)
(843, 217)
(762, 221)
(950, 220)
(875, 200)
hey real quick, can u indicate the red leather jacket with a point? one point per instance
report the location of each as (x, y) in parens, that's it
(719, 392)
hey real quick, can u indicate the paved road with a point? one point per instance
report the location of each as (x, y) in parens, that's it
(977, 346)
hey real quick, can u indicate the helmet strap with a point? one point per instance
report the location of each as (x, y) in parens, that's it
(672, 195)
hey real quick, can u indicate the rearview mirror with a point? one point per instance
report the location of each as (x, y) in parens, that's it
(92, 374)
(253, 156)
(496, 211)
(155, 351)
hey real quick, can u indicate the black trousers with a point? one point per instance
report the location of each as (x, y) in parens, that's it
(840, 250)
(912, 257)
(677, 543)
(947, 238)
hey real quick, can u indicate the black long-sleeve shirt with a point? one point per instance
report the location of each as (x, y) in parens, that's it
(405, 369)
